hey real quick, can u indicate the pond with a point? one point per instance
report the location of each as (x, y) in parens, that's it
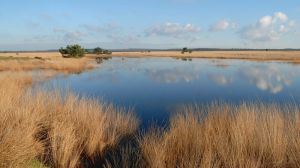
(155, 87)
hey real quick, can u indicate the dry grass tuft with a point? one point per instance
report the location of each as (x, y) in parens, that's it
(59, 130)
(248, 135)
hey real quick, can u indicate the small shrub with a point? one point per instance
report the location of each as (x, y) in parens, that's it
(185, 49)
(98, 50)
(75, 51)
(107, 52)
(40, 58)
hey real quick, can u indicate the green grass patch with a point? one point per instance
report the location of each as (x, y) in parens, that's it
(36, 164)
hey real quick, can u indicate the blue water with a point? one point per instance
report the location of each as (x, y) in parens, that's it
(155, 87)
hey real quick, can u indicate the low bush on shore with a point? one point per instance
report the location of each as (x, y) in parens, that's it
(73, 51)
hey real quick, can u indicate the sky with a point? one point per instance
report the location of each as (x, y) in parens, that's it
(122, 24)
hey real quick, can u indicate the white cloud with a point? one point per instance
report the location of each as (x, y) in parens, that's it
(265, 21)
(283, 29)
(292, 23)
(268, 28)
(172, 30)
(281, 16)
(222, 25)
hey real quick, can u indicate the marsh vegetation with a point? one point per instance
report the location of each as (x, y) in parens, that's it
(67, 131)
(56, 128)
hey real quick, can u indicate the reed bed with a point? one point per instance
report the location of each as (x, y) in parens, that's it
(57, 130)
(222, 135)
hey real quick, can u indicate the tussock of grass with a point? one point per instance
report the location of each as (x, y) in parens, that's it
(57, 130)
(248, 135)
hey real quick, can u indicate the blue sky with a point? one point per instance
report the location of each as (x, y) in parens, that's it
(49, 24)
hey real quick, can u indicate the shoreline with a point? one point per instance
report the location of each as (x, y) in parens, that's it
(285, 56)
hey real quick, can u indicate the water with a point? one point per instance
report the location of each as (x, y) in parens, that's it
(155, 87)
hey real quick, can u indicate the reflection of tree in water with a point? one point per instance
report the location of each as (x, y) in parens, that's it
(221, 63)
(184, 58)
(267, 78)
(100, 60)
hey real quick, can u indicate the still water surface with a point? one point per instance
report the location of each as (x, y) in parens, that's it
(156, 86)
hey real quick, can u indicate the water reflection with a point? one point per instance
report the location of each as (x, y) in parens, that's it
(156, 86)
(267, 78)
(221, 63)
(219, 79)
(174, 75)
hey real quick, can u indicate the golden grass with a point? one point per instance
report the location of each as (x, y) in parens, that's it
(43, 61)
(44, 55)
(61, 65)
(288, 56)
(58, 130)
(248, 135)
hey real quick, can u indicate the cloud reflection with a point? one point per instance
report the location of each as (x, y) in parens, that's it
(174, 75)
(219, 79)
(266, 78)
